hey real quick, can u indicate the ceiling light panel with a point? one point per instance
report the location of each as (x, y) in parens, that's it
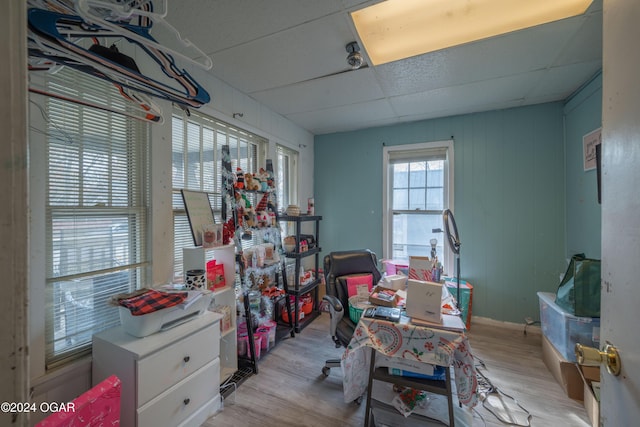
(398, 29)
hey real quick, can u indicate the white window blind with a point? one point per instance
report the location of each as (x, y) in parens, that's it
(96, 211)
(197, 142)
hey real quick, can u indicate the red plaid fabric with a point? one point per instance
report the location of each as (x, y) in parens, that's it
(152, 301)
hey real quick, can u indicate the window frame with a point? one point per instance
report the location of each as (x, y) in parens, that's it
(180, 225)
(417, 150)
(289, 183)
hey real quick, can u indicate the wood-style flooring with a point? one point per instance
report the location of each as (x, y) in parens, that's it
(290, 389)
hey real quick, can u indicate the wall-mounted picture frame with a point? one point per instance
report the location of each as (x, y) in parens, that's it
(589, 142)
(199, 213)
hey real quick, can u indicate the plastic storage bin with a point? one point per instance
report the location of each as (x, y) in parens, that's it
(564, 330)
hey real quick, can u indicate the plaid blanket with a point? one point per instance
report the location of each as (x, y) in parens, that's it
(152, 301)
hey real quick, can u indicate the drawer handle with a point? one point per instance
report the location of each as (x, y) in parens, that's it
(186, 401)
(186, 359)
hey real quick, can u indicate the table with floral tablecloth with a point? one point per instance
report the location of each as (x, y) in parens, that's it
(412, 342)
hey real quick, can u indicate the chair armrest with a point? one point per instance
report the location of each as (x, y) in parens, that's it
(336, 313)
(334, 303)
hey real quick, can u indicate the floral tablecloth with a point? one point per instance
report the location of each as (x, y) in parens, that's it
(412, 342)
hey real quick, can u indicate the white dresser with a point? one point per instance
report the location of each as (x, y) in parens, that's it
(169, 378)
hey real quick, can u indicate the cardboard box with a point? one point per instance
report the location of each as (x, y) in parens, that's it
(424, 300)
(420, 268)
(393, 302)
(591, 376)
(566, 373)
(396, 281)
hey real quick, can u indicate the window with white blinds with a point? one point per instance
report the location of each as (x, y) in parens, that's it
(197, 142)
(286, 171)
(96, 210)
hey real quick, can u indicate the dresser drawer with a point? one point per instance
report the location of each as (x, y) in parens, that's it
(182, 400)
(161, 370)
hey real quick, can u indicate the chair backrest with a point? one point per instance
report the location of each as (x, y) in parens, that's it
(345, 263)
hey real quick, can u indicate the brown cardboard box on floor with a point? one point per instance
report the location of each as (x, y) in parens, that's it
(591, 375)
(566, 373)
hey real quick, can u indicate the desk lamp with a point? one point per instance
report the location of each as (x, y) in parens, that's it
(453, 238)
(433, 242)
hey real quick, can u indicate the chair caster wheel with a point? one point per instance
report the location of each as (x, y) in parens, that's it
(358, 400)
(325, 371)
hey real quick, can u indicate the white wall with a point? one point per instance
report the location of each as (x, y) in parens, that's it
(70, 381)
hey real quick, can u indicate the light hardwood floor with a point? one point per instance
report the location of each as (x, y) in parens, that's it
(290, 389)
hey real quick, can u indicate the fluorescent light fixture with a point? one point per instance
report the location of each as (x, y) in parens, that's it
(398, 29)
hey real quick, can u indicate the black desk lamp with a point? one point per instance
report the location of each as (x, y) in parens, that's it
(453, 238)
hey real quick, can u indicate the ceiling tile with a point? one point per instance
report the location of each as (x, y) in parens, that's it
(302, 53)
(343, 118)
(346, 88)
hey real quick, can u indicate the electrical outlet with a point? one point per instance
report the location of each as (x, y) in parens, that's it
(529, 321)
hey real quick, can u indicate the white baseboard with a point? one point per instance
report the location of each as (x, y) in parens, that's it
(531, 329)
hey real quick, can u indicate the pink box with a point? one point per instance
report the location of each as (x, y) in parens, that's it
(98, 406)
(395, 266)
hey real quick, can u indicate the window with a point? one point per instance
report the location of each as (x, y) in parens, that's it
(419, 183)
(286, 171)
(197, 142)
(96, 211)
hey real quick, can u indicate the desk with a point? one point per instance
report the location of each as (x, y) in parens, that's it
(407, 341)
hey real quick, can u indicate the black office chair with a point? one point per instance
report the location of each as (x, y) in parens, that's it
(337, 267)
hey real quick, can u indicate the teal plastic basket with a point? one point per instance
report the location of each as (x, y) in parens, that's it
(356, 308)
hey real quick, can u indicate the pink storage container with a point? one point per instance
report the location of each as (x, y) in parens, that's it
(264, 338)
(243, 343)
(395, 266)
(257, 341)
(271, 325)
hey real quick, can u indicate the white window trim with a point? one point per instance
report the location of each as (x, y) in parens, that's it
(292, 187)
(387, 217)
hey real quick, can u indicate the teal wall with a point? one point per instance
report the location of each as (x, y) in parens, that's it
(583, 114)
(509, 198)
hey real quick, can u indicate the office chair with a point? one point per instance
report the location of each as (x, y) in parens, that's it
(337, 267)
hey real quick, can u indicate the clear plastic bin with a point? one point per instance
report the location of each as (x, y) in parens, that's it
(564, 330)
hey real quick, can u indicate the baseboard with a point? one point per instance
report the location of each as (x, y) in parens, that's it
(531, 329)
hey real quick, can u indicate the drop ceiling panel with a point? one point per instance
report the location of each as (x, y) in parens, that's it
(351, 87)
(222, 24)
(585, 44)
(561, 82)
(342, 118)
(507, 89)
(307, 51)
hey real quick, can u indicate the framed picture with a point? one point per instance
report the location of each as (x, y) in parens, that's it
(589, 142)
(211, 235)
(199, 212)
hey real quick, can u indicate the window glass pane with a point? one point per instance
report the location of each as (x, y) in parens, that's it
(416, 199)
(435, 173)
(400, 175)
(435, 199)
(400, 200)
(412, 234)
(417, 174)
